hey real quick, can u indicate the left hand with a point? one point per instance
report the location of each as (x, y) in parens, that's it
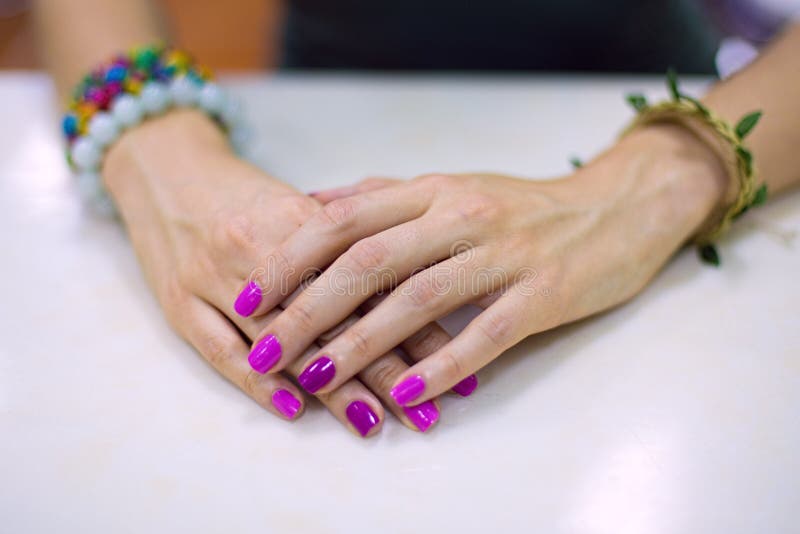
(535, 254)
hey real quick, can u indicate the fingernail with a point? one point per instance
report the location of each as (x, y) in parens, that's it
(286, 403)
(423, 415)
(248, 300)
(361, 415)
(408, 390)
(317, 374)
(466, 386)
(265, 354)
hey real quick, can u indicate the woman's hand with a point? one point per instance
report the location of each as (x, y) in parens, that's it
(535, 254)
(199, 218)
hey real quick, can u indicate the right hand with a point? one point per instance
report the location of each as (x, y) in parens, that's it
(199, 218)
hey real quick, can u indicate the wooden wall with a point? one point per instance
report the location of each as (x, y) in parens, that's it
(223, 34)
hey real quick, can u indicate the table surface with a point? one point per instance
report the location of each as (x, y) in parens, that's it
(675, 413)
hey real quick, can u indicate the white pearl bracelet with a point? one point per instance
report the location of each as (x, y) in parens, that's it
(128, 110)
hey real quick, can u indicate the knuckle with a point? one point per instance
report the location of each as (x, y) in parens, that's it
(174, 297)
(358, 340)
(330, 335)
(423, 291)
(381, 376)
(452, 367)
(298, 208)
(498, 328)
(478, 208)
(196, 270)
(301, 315)
(339, 214)
(240, 233)
(218, 350)
(437, 180)
(277, 269)
(425, 342)
(368, 254)
(250, 385)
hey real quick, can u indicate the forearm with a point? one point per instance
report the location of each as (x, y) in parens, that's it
(770, 84)
(75, 35)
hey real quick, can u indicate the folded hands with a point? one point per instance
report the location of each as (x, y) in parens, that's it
(338, 294)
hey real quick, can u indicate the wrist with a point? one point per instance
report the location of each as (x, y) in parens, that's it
(678, 178)
(162, 152)
(171, 161)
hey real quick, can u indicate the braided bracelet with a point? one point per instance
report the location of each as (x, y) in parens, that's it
(121, 93)
(726, 140)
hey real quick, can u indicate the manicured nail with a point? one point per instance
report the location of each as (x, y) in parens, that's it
(286, 403)
(361, 415)
(408, 390)
(248, 300)
(466, 386)
(316, 375)
(265, 354)
(423, 415)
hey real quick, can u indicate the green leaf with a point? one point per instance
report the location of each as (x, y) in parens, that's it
(672, 84)
(698, 104)
(576, 162)
(747, 123)
(637, 100)
(708, 253)
(760, 196)
(748, 158)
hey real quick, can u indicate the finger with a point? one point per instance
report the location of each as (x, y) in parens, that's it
(419, 300)
(321, 239)
(353, 404)
(208, 331)
(496, 329)
(364, 186)
(379, 377)
(425, 342)
(373, 264)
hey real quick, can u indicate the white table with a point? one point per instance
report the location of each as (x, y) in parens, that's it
(679, 412)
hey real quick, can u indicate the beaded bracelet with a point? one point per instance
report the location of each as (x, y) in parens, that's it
(726, 140)
(119, 94)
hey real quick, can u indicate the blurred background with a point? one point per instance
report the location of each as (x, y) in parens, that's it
(229, 34)
(246, 34)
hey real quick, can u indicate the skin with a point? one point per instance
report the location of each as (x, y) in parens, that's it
(561, 250)
(593, 239)
(199, 217)
(197, 223)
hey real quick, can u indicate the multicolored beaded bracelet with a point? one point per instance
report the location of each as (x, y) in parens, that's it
(121, 93)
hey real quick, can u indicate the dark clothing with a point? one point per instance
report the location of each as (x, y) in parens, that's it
(499, 35)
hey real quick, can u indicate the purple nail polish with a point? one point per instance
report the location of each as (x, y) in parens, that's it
(361, 415)
(408, 390)
(265, 354)
(466, 386)
(286, 403)
(316, 375)
(248, 300)
(423, 415)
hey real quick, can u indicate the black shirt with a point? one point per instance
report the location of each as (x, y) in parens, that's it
(508, 35)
